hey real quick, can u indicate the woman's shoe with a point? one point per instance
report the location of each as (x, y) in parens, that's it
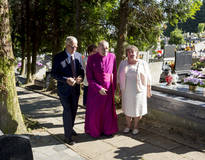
(126, 130)
(135, 131)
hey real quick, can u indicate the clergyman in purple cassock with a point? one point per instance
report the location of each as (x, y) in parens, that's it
(101, 74)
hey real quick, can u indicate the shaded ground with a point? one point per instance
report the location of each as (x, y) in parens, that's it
(154, 142)
(179, 135)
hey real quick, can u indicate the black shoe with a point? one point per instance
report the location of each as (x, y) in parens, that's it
(74, 133)
(109, 135)
(69, 141)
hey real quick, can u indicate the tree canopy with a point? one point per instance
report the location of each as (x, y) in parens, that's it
(40, 26)
(191, 24)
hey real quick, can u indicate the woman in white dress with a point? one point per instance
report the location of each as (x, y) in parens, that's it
(134, 80)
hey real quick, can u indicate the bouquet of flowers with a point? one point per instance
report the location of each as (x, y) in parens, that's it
(157, 54)
(199, 64)
(172, 65)
(169, 79)
(194, 78)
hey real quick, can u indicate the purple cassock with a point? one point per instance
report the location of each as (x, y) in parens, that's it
(101, 116)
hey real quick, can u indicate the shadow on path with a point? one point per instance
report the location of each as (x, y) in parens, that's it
(38, 106)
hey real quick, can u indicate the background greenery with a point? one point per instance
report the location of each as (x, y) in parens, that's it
(40, 27)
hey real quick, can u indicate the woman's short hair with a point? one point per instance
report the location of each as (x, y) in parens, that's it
(131, 47)
(90, 48)
(70, 40)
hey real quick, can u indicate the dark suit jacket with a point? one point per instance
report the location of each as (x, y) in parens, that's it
(61, 70)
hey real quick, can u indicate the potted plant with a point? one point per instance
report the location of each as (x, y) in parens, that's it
(194, 80)
(199, 65)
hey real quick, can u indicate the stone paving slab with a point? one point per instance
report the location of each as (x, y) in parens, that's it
(189, 153)
(122, 141)
(146, 145)
(92, 148)
(162, 142)
(46, 147)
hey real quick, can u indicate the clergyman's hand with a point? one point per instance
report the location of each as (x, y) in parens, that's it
(103, 91)
(71, 81)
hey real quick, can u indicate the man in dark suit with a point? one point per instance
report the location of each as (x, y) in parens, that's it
(67, 70)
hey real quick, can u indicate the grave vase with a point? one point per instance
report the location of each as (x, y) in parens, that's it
(155, 70)
(192, 88)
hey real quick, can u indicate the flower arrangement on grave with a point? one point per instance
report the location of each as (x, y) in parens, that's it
(157, 54)
(187, 48)
(38, 63)
(199, 64)
(169, 78)
(194, 79)
(171, 65)
(141, 56)
(19, 66)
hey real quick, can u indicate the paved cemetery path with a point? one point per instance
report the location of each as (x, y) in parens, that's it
(149, 144)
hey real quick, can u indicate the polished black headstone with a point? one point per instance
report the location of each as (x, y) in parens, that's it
(15, 147)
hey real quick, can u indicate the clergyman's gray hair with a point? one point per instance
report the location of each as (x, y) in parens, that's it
(102, 42)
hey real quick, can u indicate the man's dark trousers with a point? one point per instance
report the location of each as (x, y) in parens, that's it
(70, 106)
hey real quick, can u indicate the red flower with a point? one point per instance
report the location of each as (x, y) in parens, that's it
(168, 79)
(159, 51)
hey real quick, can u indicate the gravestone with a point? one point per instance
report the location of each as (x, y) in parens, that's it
(43, 65)
(15, 147)
(40, 67)
(183, 61)
(1, 133)
(169, 51)
(168, 56)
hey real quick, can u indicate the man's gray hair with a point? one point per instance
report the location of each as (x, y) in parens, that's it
(70, 40)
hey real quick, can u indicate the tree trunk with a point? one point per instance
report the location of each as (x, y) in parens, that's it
(34, 54)
(35, 39)
(11, 120)
(23, 61)
(28, 42)
(122, 32)
(56, 44)
(22, 72)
